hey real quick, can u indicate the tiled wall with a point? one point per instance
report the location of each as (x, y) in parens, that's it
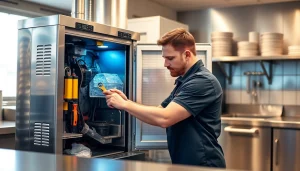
(284, 90)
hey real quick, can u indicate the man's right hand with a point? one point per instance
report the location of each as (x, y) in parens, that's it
(119, 92)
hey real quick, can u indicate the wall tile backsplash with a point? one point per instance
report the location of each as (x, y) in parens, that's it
(284, 90)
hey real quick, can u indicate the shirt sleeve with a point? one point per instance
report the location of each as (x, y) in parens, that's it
(166, 102)
(196, 94)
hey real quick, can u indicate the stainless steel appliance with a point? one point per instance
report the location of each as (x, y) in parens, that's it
(61, 63)
(286, 149)
(246, 136)
(246, 147)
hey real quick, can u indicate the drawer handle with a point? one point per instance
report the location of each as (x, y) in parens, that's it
(241, 130)
(276, 151)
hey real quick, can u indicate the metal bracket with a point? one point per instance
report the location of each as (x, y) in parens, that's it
(268, 75)
(227, 76)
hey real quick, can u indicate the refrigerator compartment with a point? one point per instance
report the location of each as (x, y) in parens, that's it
(110, 81)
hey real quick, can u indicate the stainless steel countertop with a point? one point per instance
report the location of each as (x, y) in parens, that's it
(277, 122)
(7, 127)
(20, 160)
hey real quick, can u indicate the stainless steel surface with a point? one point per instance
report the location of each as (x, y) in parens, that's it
(103, 12)
(291, 15)
(1, 116)
(7, 127)
(286, 149)
(43, 52)
(131, 95)
(259, 110)
(113, 12)
(153, 85)
(9, 113)
(276, 141)
(18, 160)
(78, 9)
(275, 122)
(69, 22)
(23, 88)
(71, 135)
(200, 30)
(96, 36)
(119, 13)
(262, 115)
(60, 72)
(246, 148)
(251, 131)
(44, 86)
(89, 10)
(291, 111)
(7, 141)
(254, 58)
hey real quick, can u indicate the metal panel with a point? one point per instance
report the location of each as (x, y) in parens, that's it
(269, 18)
(246, 148)
(291, 25)
(286, 149)
(43, 91)
(71, 22)
(153, 85)
(58, 118)
(23, 89)
(200, 30)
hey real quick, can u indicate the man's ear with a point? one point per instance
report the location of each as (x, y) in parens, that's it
(187, 53)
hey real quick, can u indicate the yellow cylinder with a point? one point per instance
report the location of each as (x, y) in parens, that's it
(75, 88)
(65, 107)
(68, 88)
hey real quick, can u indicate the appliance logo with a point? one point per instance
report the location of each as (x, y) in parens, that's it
(124, 35)
(84, 27)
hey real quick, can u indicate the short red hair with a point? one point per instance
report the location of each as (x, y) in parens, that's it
(180, 39)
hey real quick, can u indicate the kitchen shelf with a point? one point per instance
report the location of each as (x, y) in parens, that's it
(261, 59)
(253, 58)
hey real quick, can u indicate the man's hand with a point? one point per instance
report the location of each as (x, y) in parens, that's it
(120, 93)
(115, 99)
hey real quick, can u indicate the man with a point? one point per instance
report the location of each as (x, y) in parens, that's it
(191, 113)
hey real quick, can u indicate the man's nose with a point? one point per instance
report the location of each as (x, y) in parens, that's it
(166, 63)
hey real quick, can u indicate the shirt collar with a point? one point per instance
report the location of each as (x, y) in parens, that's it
(192, 70)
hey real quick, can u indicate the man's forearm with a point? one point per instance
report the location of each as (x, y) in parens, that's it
(149, 114)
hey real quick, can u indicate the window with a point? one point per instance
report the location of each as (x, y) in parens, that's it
(8, 55)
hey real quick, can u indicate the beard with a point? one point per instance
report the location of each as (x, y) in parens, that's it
(176, 72)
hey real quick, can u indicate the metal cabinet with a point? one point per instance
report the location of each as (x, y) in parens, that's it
(7, 141)
(286, 149)
(153, 85)
(246, 148)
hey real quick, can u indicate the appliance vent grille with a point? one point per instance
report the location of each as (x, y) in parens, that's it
(41, 134)
(43, 60)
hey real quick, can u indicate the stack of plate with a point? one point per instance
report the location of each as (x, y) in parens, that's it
(247, 48)
(294, 50)
(221, 43)
(271, 44)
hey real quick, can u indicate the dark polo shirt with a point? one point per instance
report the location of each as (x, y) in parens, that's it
(193, 141)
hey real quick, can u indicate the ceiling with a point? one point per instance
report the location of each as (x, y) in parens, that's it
(178, 5)
(185, 5)
(60, 4)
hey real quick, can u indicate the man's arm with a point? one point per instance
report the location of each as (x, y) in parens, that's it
(158, 116)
